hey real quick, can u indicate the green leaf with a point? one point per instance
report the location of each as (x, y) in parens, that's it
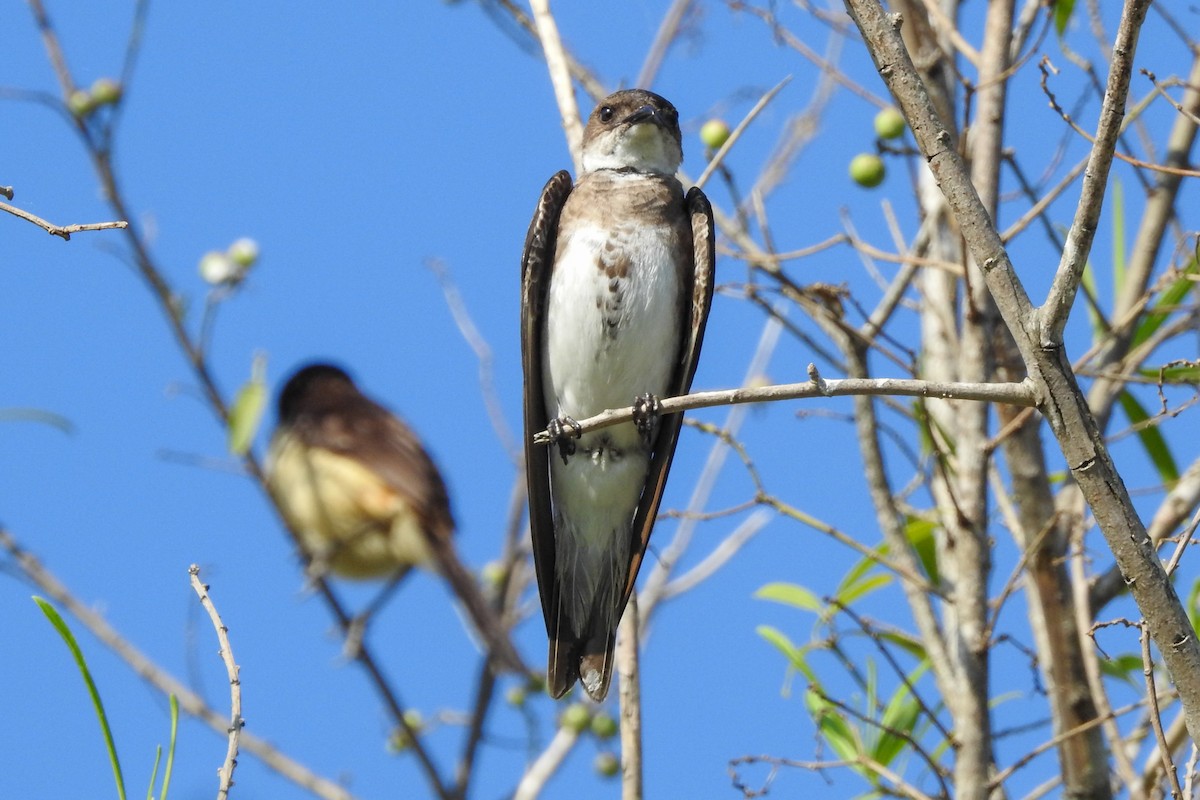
(1062, 15)
(797, 656)
(833, 726)
(901, 714)
(920, 533)
(1153, 442)
(910, 644)
(1181, 374)
(1125, 667)
(791, 595)
(1166, 303)
(1117, 193)
(65, 632)
(1099, 327)
(846, 595)
(171, 747)
(247, 410)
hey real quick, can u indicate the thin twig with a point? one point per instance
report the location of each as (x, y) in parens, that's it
(631, 703)
(560, 78)
(159, 678)
(1164, 750)
(1016, 394)
(719, 156)
(236, 723)
(64, 231)
(535, 777)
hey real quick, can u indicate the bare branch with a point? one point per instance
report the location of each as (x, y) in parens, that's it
(64, 231)
(1095, 179)
(160, 679)
(560, 77)
(631, 702)
(1017, 394)
(236, 723)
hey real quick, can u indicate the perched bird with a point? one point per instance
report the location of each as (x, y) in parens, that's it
(363, 496)
(617, 282)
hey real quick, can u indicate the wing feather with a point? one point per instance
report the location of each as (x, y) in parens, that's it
(537, 261)
(704, 254)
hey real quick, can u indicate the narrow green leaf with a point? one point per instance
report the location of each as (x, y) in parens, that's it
(171, 746)
(1099, 328)
(1153, 442)
(910, 644)
(1166, 302)
(790, 595)
(247, 411)
(1182, 374)
(1062, 15)
(833, 726)
(65, 632)
(1126, 667)
(1117, 193)
(920, 533)
(848, 594)
(154, 773)
(901, 715)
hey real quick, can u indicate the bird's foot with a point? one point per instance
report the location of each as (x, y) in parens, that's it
(646, 408)
(564, 431)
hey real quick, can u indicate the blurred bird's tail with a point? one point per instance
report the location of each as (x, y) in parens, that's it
(483, 616)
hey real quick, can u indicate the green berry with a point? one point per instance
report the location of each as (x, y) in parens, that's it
(889, 124)
(604, 726)
(81, 103)
(607, 764)
(516, 696)
(714, 133)
(106, 91)
(575, 718)
(867, 170)
(243, 252)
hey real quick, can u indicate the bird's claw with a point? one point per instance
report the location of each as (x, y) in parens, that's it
(646, 408)
(563, 432)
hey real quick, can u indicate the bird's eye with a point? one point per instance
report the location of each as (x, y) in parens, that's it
(606, 114)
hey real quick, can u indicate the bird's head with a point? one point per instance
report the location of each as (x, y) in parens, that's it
(633, 130)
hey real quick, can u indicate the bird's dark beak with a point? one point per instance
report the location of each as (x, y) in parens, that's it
(643, 114)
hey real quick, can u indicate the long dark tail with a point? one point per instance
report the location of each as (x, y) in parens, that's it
(589, 661)
(485, 619)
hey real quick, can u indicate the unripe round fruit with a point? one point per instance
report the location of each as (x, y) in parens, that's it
(889, 124)
(714, 133)
(106, 91)
(575, 718)
(607, 764)
(604, 726)
(81, 103)
(867, 170)
(243, 252)
(516, 696)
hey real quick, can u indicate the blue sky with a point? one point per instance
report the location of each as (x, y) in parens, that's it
(355, 146)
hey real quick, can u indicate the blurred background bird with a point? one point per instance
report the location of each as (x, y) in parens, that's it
(365, 499)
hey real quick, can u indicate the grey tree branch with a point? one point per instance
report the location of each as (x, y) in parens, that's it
(1061, 298)
(1017, 394)
(1060, 398)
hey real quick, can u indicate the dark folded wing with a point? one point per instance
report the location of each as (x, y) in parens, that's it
(537, 261)
(704, 260)
(370, 434)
